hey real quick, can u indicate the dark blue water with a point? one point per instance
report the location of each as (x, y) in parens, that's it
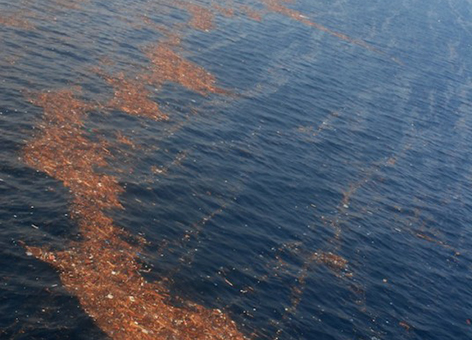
(325, 147)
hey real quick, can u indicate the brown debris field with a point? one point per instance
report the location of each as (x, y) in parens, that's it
(168, 66)
(201, 18)
(15, 20)
(102, 268)
(251, 13)
(132, 96)
(224, 10)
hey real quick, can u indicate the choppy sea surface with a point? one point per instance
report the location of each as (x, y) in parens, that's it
(328, 190)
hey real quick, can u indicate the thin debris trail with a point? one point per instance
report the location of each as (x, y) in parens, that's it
(329, 257)
(337, 264)
(277, 6)
(102, 269)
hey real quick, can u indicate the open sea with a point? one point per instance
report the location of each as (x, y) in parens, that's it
(312, 179)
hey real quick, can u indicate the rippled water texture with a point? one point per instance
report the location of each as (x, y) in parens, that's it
(266, 169)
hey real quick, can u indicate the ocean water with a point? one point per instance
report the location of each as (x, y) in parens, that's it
(328, 192)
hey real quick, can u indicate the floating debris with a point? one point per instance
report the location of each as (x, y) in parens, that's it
(168, 66)
(16, 20)
(176, 162)
(424, 236)
(336, 263)
(62, 150)
(132, 97)
(201, 17)
(251, 13)
(172, 35)
(69, 4)
(406, 326)
(225, 11)
(325, 124)
(125, 140)
(124, 305)
(333, 261)
(276, 6)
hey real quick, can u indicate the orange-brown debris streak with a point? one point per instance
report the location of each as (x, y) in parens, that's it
(225, 11)
(63, 152)
(251, 13)
(101, 269)
(16, 21)
(132, 97)
(276, 6)
(125, 140)
(334, 262)
(168, 66)
(201, 18)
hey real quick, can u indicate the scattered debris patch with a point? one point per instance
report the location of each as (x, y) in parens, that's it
(168, 66)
